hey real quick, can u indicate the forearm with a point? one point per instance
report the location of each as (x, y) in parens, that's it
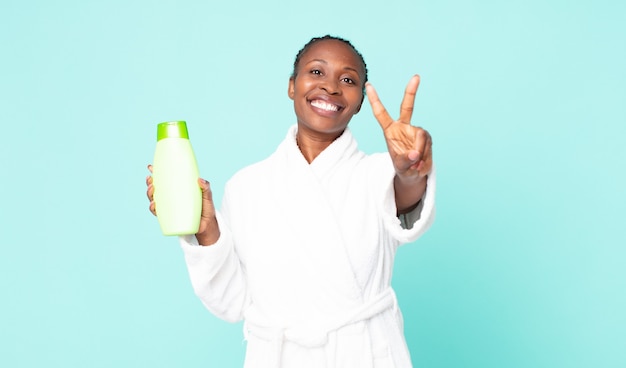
(408, 192)
(217, 275)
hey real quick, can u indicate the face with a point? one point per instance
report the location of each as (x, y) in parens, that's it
(328, 88)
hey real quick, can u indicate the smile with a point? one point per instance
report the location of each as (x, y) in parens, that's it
(324, 105)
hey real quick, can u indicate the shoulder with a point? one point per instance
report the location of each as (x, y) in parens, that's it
(251, 175)
(377, 163)
(380, 158)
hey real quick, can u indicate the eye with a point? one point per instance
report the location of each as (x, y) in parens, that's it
(316, 71)
(348, 80)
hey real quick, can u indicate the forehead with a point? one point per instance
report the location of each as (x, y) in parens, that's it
(332, 51)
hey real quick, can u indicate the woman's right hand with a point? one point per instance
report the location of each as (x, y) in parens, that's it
(209, 231)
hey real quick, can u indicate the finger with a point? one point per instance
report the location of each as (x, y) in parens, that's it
(408, 101)
(421, 141)
(420, 149)
(208, 210)
(152, 208)
(426, 163)
(381, 114)
(413, 155)
(429, 149)
(407, 160)
(149, 177)
(424, 168)
(150, 192)
(204, 186)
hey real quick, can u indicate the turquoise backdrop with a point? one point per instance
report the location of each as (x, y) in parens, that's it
(526, 101)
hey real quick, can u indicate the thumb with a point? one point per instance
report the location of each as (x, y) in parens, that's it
(413, 155)
(205, 187)
(407, 160)
(207, 197)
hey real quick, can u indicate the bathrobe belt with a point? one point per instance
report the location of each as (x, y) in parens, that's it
(317, 335)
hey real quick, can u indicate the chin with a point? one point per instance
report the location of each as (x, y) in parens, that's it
(324, 128)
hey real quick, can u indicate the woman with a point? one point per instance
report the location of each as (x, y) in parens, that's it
(304, 244)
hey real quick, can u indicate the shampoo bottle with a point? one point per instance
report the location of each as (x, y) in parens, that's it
(177, 195)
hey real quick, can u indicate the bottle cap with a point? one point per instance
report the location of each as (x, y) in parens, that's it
(172, 129)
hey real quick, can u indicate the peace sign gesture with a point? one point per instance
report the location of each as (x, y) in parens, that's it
(410, 147)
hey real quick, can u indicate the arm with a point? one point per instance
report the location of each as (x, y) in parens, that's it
(408, 193)
(410, 148)
(215, 270)
(216, 274)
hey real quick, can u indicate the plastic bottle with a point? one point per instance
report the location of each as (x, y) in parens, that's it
(177, 195)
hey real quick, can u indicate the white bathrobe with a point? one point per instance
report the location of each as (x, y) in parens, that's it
(305, 257)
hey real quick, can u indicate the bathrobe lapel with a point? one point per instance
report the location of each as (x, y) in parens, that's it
(304, 207)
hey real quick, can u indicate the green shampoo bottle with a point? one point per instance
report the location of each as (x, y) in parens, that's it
(177, 195)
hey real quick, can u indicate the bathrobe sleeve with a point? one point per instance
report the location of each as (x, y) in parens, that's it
(216, 274)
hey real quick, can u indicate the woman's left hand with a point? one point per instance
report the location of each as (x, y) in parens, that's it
(410, 147)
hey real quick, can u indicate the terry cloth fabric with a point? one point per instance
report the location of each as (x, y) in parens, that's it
(305, 256)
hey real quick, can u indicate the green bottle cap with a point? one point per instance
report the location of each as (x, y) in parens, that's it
(172, 129)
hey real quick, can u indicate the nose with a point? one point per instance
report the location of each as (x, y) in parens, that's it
(330, 86)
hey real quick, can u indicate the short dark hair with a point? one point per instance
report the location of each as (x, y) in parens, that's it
(313, 40)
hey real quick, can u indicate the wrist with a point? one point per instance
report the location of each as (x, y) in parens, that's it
(410, 180)
(408, 192)
(209, 233)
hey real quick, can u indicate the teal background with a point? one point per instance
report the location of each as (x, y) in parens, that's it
(526, 101)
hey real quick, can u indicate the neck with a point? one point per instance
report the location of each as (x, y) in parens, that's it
(311, 145)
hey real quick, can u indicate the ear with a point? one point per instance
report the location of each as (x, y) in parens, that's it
(291, 91)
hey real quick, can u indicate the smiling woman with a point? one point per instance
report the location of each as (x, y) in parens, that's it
(303, 247)
(327, 90)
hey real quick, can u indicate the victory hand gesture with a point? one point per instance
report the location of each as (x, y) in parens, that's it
(410, 147)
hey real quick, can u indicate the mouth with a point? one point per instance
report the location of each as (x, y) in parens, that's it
(325, 106)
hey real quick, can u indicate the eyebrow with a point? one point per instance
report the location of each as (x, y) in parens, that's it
(325, 62)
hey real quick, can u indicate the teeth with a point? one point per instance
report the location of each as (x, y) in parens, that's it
(324, 106)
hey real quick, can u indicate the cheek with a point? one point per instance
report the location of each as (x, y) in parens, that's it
(304, 84)
(356, 100)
